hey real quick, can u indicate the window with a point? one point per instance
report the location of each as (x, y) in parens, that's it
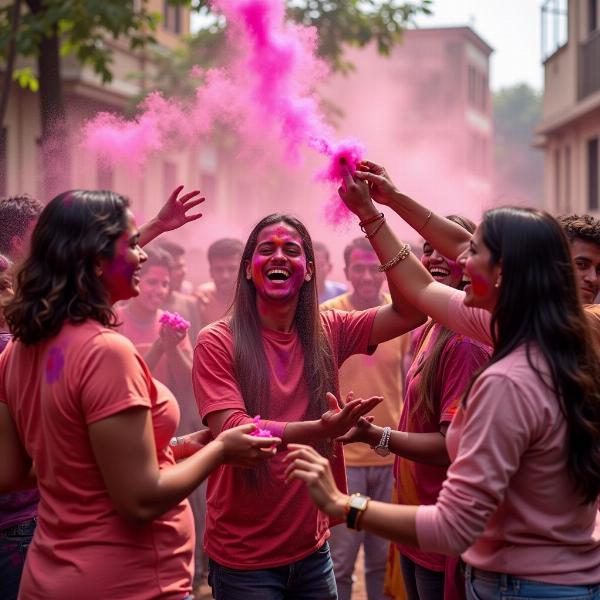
(592, 15)
(171, 17)
(568, 179)
(555, 26)
(593, 191)
(557, 179)
(3, 161)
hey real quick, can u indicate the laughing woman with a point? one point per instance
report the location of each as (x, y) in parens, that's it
(520, 499)
(79, 403)
(277, 356)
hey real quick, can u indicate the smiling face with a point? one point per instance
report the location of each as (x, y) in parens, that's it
(586, 256)
(278, 268)
(121, 274)
(442, 269)
(363, 273)
(484, 277)
(154, 287)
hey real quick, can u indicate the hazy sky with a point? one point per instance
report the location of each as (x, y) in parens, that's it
(511, 27)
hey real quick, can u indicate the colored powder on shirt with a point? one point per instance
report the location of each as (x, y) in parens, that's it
(54, 364)
(259, 432)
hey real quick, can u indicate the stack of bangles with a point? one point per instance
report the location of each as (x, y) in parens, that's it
(379, 219)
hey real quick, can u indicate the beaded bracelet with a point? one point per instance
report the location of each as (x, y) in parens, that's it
(402, 254)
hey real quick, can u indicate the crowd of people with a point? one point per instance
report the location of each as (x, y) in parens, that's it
(258, 429)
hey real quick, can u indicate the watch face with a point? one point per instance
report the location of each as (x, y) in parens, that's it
(382, 451)
(359, 502)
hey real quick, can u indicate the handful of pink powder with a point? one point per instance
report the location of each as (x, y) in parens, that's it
(259, 432)
(174, 321)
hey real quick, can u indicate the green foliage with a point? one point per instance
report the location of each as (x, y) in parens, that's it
(26, 79)
(85, 28)
(342, 22)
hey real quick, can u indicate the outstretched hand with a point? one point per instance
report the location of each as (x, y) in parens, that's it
(359, 433)
(306, 464)
(337, 421)
(243, 450)
(380, 185)
(175, 213)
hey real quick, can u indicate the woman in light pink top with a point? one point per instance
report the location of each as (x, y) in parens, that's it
(520, 500)
(79, 403)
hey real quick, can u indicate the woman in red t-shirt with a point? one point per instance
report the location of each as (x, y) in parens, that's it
(79, 403)
(278, 356)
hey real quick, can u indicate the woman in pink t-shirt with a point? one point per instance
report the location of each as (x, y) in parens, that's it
(443, 364)
(79, 403)
(520, 499)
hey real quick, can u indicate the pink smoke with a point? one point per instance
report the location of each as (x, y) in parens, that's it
(266, 93)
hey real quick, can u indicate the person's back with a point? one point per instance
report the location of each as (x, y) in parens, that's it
(55, 389)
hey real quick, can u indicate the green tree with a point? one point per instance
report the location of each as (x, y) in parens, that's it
(518, 166)
(46, 31)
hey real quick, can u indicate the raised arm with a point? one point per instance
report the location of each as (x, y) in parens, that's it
(172, 215)
(447, 237)
(406, 276)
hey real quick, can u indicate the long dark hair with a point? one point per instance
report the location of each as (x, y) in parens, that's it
(58, 281)
(250, 363)
(538, 305)
(429, 386)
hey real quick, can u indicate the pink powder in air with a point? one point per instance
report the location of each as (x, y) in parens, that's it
(265, 91)
(259, 432)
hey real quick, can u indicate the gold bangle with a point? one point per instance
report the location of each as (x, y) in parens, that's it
(379, 226)
(402, 254)
(426, 221)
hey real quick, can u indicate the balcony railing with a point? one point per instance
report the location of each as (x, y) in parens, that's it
(589, 65)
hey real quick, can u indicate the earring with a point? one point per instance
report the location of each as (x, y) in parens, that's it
(307, 278)
(497, 284)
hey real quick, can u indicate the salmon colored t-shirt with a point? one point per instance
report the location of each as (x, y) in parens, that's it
(367, 375)
(82, 548)
(249, 527)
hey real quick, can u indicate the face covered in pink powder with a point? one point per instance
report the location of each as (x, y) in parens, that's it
(279, 267)
(442, 269)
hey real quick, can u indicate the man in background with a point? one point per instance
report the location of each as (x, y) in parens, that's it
(326, 288)
(215, 297)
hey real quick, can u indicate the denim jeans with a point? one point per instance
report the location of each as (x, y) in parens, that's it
(308, 579)
(484, 585)
(375, 482)
(421, 583)
(14, 542)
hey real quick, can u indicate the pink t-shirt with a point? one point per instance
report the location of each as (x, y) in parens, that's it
(509, 504)
(419, 483)
(82, 547)
(277, 524)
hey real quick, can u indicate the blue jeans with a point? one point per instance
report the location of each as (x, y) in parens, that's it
(484, 585)
(421, 583)
(308, 579)
(14, 542)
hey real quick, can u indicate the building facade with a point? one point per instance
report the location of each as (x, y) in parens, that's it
(569, 131)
